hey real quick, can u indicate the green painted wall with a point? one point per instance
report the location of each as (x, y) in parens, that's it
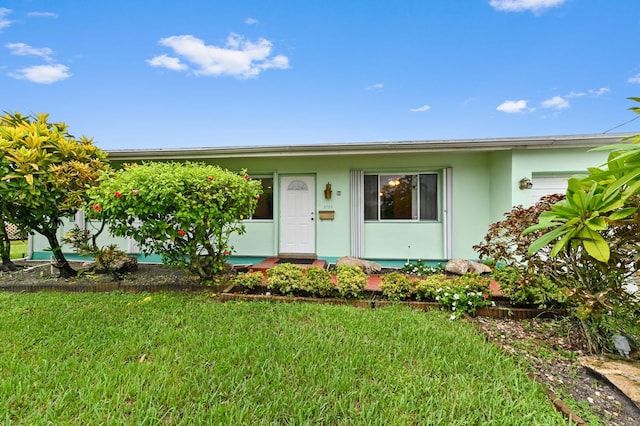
(538, 161)
(471, 203)
(484, 186)
(501, 185)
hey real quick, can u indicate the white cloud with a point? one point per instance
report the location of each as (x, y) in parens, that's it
(599, 92)
(43, 15)
(420, 109)
(591, 92)
(43, 74)
(634, 79)
(536, 6)
(377, 86)
(511, 107)
(164, 61)
(557, 102)
(238, 57)
(4, 22)
(251, 21)
(23, 49)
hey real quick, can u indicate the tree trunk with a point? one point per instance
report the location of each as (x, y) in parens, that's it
(66, 271)
(5, 249)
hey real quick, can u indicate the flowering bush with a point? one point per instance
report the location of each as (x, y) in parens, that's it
(464, 294)
(421, 269)
(185, 212)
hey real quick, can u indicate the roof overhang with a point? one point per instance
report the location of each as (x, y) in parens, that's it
(369, 148)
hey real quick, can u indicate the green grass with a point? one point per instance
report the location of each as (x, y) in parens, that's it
(19, 249)
(182, 359)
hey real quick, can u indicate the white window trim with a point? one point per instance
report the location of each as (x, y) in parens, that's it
(439, 199)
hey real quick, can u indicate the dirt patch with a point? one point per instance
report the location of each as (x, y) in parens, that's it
(43, 274)
(552, 351)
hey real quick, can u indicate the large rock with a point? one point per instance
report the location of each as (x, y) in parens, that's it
(367, 266)
(462, 266)
(119, 264)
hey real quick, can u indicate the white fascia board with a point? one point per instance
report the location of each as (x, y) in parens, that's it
(369, 148)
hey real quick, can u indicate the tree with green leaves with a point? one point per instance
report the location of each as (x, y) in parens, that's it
(5, 247)
(44, 175)
(596, 228)
(185, 212)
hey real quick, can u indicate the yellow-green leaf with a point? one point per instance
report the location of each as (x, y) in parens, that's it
(595, 245)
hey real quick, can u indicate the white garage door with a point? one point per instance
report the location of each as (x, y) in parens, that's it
(547, 185)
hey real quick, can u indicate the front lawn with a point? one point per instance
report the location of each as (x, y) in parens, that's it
(120, 358)
(19, 249)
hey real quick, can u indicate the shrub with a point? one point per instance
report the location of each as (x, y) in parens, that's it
(464, 295)
(396, 286)
(421, 269)
(350, 281)
(185, 212)
(426, 288)
(285, 278)
(44, 176)
(318, 281)
(529, 290)
(249, 280)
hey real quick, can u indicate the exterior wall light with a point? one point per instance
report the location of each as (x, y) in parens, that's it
(327, 191)
(525, 183)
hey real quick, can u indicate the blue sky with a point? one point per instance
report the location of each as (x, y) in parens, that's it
(170, 74)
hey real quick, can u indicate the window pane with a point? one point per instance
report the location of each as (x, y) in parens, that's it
(396, 196)
(371, 197)
(264, 209)
(429, 197)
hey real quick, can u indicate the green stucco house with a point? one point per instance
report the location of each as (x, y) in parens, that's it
(384, 201)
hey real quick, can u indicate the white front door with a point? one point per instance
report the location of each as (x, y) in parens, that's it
(297, 214)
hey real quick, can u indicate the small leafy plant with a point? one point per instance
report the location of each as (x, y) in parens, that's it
(396, 286)
(421, 269)
(249, 280)
(318, 281)
(464, 295)
(286, 278)
(529, 289)
(426, 289)
(350, 281)
(108, 259)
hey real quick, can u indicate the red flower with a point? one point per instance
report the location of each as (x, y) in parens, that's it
(97, 208)
(117, 194)
(486, 296)
(210, 178)
(227, 253)
(246, 176)
(135, 192)
(181, 232)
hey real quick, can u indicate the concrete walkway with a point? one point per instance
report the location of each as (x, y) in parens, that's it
(624, 375)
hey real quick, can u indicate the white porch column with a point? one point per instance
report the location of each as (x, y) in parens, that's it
(357, 213)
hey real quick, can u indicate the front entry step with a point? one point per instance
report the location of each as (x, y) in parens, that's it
(302, 262)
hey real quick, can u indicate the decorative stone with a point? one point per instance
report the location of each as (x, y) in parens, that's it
(120, 264)
(367, 266)
(462, 266)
